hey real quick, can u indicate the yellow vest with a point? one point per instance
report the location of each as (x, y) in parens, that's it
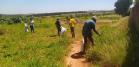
(72, 22)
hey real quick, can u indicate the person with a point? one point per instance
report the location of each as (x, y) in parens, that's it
(87, 33)
(32, 24)
(58, 26)
(26, 26)
(72, 26)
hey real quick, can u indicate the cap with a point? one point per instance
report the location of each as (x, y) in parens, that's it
(94, 17)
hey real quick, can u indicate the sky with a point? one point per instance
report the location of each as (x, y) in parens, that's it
(49, 6)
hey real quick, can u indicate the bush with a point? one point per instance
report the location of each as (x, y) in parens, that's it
(93, 56)
(16, 20)
(11, 19)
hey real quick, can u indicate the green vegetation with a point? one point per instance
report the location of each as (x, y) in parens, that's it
(44, 49)
(110, 47)
(122, 7)
(11, 19)
(39, 49)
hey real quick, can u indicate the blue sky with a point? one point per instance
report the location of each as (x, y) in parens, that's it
(45, 6)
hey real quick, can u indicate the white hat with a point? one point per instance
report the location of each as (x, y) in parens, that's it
(94, 17)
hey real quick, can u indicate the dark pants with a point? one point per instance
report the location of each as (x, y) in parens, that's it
(72, 32)
(32, 28)
(58, 30)
(84, 45)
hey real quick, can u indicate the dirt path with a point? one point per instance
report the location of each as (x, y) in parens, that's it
(72, 62)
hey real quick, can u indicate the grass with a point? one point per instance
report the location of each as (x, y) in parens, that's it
(40, 49)
(20, 49)
(110, 47)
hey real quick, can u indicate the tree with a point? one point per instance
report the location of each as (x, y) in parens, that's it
(16, 19)
(122, 7)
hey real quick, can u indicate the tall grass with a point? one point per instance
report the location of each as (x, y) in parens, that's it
(110, 47)
(41, 49)
(20, 49)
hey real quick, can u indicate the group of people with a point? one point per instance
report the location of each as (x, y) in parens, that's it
(86, 31)
(31, 23)
(71, 22)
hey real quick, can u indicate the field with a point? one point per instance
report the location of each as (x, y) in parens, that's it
(39, 49)
(44, 49)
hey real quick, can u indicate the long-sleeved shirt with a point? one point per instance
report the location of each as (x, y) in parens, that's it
(58, 24)
(88, 26)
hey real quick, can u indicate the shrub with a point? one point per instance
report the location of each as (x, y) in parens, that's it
(94, 56)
